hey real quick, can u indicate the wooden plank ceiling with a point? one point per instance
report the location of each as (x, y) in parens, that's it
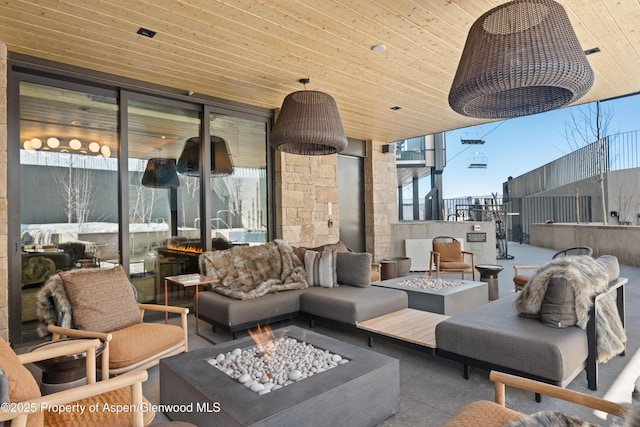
(254, 51)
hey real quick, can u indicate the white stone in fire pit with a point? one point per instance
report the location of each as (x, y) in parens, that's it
(276, 364)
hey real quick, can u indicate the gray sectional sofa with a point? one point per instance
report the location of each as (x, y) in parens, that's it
(352, 301)
(495, 337)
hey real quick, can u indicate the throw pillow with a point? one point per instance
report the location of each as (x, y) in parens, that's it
(21, 383)
(558, 308)
(610, 264)
(320, 268)
(354, 269)
(101, 300)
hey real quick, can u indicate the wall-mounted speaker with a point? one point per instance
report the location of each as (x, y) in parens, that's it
(389, 148)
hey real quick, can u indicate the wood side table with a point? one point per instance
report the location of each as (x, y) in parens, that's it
(187, 280)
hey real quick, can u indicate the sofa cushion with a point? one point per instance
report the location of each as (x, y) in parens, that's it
(22, 385)
(350, 304)
(339, 246)
(558, 308)
(354, 269)
(320, 268)
(232, 312)
(102, 300)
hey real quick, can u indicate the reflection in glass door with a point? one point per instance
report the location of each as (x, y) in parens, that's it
(164, 205)
(238, 200)
(68, 185)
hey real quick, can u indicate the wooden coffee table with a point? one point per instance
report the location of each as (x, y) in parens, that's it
(414, 328)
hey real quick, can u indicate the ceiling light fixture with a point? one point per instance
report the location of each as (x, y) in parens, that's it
(520, 58)
(378, 48)
(309, 123)
(53, 144)
(146, 32)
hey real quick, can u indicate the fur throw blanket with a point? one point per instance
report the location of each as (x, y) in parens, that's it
(588, 277)
(249, 272)
(53, 306)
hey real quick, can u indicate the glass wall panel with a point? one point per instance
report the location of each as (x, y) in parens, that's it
(68, 185)
(238, 180)
(164, 206)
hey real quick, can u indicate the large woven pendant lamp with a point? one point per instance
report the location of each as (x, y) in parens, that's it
(309, 123)
(521, 58)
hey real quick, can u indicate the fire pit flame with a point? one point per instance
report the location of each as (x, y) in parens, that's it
(264, 339)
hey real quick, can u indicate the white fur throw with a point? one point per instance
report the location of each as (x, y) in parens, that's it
(588, 277)
(249, 272)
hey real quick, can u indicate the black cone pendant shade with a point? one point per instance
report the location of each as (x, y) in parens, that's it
(160, 173)
(520, 58)
(309, 123)
(221, 162)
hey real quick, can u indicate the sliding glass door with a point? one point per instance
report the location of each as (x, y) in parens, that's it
(164, 197)
(68, 185)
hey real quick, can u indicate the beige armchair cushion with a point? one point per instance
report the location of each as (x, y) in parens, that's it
(102, 300)
(483, 413)
(120, 398)
(141, 341)
(449, 252)
(22, 385)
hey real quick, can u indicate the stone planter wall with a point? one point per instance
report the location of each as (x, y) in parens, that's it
(622, 241)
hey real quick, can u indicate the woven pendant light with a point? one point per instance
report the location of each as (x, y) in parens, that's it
(309, 123)
(521, 58)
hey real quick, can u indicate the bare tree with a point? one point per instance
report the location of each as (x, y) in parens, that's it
(588, 124)
(76, 191)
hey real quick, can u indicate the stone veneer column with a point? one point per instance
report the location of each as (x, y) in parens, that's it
(381, 199)
(4, 272)
(304, 185)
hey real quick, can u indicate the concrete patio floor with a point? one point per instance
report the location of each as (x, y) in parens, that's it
(433, 389)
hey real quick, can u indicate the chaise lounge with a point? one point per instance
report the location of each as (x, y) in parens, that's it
(495, 337)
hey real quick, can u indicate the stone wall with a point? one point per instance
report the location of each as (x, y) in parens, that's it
(304, 187)
(622, 241)
(4, 272)
(381, 204)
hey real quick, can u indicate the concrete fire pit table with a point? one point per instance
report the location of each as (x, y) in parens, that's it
(362, 392)
(462, 296)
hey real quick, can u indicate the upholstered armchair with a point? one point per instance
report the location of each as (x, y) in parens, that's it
(448, 257)
(100, 303)
(30, 407)
(520, 278)
(489, 414)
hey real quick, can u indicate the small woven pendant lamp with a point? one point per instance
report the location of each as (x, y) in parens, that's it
(520, 58)
(309, 124)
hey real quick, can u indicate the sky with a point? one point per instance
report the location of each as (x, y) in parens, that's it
(515, 146)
